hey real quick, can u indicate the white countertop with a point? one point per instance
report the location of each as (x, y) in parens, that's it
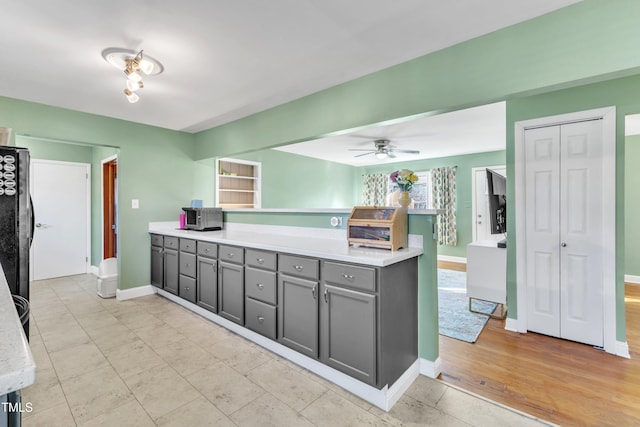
(17, 367)
(324, 210)
(319, 243)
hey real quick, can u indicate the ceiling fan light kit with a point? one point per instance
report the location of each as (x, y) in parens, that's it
(134, 64)
(383, 149)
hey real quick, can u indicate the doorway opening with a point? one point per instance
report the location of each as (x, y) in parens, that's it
(109, 207)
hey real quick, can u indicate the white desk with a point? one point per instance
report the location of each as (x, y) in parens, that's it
(487, 273)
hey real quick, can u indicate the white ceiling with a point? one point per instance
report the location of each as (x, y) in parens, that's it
(225, 59)
(473, 130)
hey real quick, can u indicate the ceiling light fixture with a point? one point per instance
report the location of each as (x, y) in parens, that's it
(381, 154)
(134, 64)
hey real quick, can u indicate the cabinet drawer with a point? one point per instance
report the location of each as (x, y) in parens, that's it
(187, 288)
(187, 264)
(298, 266)
(260, 317)
(207, 249)
(171, 242)
(156, 240)
(188, 245)
(260, 285)
(260, 259)
(363, 278)
(231, 254)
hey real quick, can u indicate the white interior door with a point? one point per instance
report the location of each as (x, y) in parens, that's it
(480, 204)
(61, 195)
(563, 185)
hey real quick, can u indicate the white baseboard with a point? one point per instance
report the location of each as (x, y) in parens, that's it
(622, 349)
(384, 398)
(511, 324)
(430, 369)
(448, 258)
(628, 278)
(140, 291)
(93, 270)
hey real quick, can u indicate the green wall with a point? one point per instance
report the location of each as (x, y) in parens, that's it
(155, 166)
(464, 189)
(44, 149)
(632, 205)
(622, 93)
(294, 181)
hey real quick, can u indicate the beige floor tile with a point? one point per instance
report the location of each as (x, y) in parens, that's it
(268, 411)
(478, 412)
(77, 360)
(55, 416)
(68, 337)
(46, 393)
(227, 389)
(408, 411)
(96, 320)
(130, 414)
(138, 319)
(338, 390)
(251, 357)
(133, 358)
(226, 347)
(185, 356)
(82, 306)
(159, 337)
(333, 410)
(199, 412)
(427, 390)
(40, 353)
(57, 323)
(112, 336)
(161, 390)
(94, 393)
(291, 387)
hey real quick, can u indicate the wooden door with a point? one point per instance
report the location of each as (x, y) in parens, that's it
(109, 191)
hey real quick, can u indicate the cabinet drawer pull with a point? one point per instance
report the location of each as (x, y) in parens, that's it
(349, 277)
(206, 250)
(298, 267)
(186, 264)
(260, 260)
(230, 255)
(260, 286)
(187, 289)
(260, 319)
(313, 291)
(325, 297)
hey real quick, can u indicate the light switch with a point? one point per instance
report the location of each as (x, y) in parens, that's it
(135, 203)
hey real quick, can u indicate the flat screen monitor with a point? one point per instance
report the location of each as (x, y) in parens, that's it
(497, 192)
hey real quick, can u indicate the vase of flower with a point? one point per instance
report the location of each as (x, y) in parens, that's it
(404, 200)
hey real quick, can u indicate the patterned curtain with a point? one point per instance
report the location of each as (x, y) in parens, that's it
(444, 197)
(374, 189)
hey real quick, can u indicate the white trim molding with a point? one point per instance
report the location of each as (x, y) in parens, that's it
(622, 349)
(430, 369)
(511, 325)
(608, 116)
(140, 291)
(628, 278)
(447, 258)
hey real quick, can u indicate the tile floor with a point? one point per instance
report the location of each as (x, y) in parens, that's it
(149, 361)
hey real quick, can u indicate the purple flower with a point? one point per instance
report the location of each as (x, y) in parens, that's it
(394, 177)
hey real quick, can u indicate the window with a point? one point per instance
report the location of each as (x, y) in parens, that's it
(421, 191)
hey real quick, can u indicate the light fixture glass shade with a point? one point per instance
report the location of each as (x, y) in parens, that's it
(381, 155)
(133, 86)
(133, 75)
(146, 66)
(131, 97)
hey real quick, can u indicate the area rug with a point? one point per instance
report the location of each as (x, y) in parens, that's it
(454, 317)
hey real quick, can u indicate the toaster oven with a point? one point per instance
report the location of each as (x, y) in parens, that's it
(203, 219)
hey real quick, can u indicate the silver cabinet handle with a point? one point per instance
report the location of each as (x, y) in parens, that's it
(260, 286)
(260, 319)
(186, 264)
(260, 260)
(298, 267)
(325, 297)
(230, 255)
(313, 291)
(563, 244)
(349, 277)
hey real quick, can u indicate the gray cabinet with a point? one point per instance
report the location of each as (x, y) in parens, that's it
(298, 304)
(157, 260)
(187, 279)
(260, 292)
(171, 265)
(207, 276)
(231, 283)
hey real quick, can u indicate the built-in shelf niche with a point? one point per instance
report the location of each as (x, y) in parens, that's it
(238, 183)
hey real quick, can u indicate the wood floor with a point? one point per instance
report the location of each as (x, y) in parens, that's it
(560, 381)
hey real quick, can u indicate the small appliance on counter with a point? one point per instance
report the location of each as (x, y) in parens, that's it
(203, 219)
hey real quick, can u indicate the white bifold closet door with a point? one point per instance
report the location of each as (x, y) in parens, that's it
(564, 224)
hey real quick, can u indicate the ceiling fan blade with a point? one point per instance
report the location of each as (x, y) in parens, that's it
(361, 149)
(407, 151)
(391, 155)
(364, 154)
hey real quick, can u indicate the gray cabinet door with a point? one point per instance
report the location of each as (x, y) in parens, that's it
(171, 270)
(348, 332)
(231, 291)
(207, 283)
(157, 266)
(188, 288)
(298, 314)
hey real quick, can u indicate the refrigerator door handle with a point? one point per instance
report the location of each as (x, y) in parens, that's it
(33, 219)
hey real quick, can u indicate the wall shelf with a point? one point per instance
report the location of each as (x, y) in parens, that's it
(238, 184)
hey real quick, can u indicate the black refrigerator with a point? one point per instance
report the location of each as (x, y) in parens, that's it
(16, 224)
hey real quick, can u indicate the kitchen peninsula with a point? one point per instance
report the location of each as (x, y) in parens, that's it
(349, 314)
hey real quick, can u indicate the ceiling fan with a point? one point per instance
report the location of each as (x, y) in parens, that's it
(383, 149)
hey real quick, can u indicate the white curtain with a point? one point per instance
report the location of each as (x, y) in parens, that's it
(374, 189)
(443, 182)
